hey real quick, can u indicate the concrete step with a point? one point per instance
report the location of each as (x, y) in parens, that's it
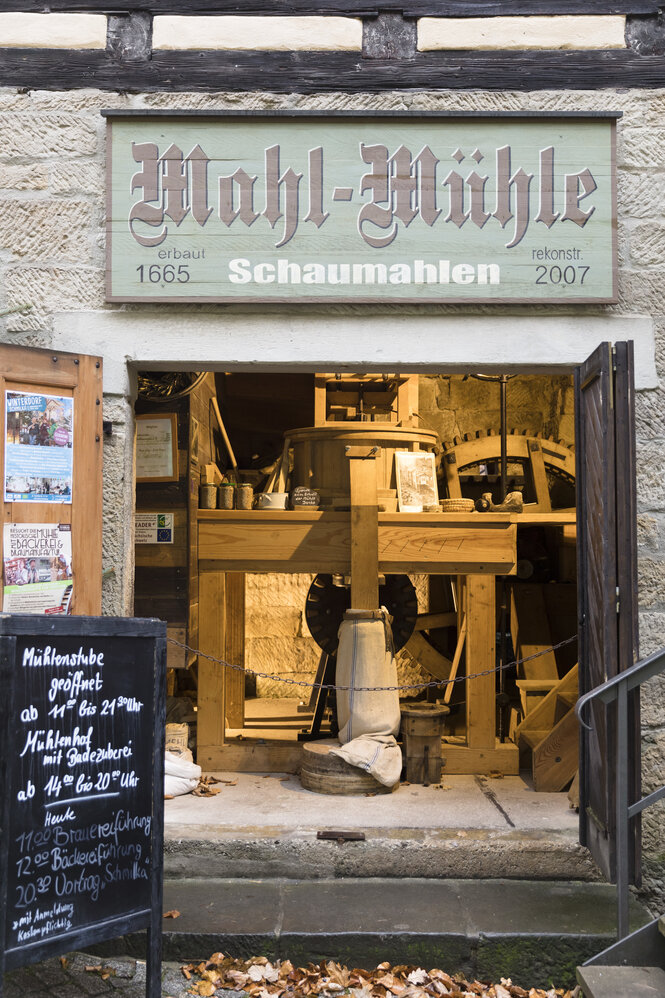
(535, 932)
(621, 982)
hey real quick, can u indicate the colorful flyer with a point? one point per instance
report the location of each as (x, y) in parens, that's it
(37, 568)
(38, 447)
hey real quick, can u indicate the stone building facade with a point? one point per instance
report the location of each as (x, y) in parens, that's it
(59, 69)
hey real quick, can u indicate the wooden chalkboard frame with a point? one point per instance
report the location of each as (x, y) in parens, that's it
(17, 626)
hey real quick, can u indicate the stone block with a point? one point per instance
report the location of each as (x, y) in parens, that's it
(650, 532)
(652, 631)
(650, 456)
(640, 148)
(649, 416)
(46, 136)
(647, 245)
(77, 177)
(46, 230)
(652, 695)
(651, 584)
(33, 177)
(277, 590)
(282, 34)
(273, 621)
(48, 290)
(639, 195)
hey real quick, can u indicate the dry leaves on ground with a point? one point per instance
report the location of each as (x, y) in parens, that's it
(173, 913)
(260, 978)
(206, 787)
(104, 972)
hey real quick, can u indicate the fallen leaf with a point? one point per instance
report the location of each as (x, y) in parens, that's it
(64, 962)
(418, 976)
(495, 774)
(169, 797)
(173, 913)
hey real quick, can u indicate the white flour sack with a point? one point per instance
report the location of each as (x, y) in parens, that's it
(368, 721)
(180, 775)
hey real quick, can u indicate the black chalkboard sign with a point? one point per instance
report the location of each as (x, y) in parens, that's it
(82, 708)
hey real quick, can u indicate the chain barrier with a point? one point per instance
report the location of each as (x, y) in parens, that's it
(372, 689)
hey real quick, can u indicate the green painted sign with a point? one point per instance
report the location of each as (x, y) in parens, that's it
(361, 208)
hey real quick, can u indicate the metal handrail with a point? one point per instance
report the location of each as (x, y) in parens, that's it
(617, 689)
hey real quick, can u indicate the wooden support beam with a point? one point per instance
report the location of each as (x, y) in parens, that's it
(234, 648)
(430, 621)
(364, 527)
(211, 706)
(480, 655)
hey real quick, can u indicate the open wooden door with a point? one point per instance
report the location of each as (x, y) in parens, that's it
(607, 584)
(51, 461)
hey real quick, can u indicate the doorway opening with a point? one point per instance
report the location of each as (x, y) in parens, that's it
(278, 432)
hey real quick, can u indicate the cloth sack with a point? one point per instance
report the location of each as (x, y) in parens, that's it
(368, 720)
(180, 775)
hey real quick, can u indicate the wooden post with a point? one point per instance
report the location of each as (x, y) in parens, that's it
(234, 648)
(364, 527)
(210, 723)
(481, 655)
(482, 753)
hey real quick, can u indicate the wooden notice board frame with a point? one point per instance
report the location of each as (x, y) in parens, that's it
(79, 376)
(170, 420)
(36, 698)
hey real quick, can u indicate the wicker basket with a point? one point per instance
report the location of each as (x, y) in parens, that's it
(457, 505)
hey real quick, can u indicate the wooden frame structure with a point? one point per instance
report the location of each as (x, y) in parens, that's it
(476, 547)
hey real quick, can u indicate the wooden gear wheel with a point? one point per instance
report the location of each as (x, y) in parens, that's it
(540, 467)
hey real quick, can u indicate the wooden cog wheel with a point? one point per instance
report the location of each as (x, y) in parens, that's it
(542, 468)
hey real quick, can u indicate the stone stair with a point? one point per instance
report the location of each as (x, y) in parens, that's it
(536, 932)
(631, 968)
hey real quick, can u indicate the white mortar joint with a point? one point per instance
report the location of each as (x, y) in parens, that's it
(277, 34)
(555, 32)
(53, 31)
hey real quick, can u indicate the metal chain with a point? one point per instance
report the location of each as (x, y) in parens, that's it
(372, 689)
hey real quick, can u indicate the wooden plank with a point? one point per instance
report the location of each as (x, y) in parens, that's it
(556, 758)
(234, 649)
(354, 8)
(539, 475)
(250, 757)
(530, 631)
(501, 757)
(546, 714)
(431, 621)
(364, 528)
(310, 72)
(289, 541)
(480, 655)
(87, 488)
(461, 641)
(428, 657)
(211, 706)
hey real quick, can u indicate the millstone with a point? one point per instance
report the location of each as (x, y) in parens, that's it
(324, 773)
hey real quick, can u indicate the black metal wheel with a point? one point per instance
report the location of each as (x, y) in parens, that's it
(326, 604)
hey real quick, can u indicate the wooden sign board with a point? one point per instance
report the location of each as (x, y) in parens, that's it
(81, 785)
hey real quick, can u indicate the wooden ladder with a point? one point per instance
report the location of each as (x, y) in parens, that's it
(550, 730)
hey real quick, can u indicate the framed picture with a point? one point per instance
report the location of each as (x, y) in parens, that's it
(157, 448)
(416, 481)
